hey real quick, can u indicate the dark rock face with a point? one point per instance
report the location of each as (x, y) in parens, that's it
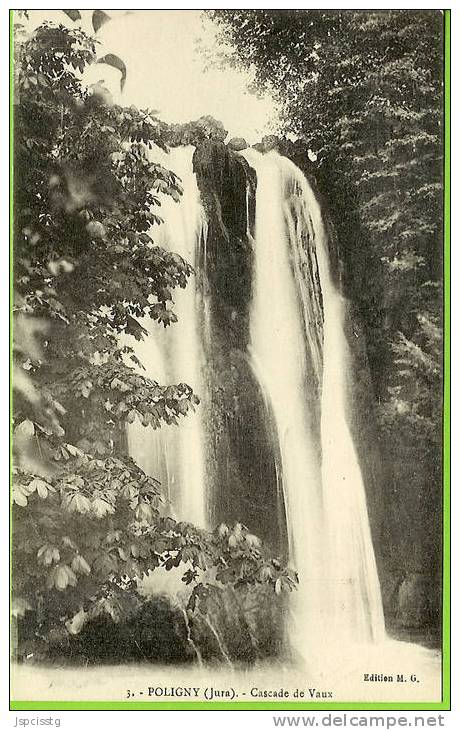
(242, 456)
(235, 627)
(412, 541)
(237, 144)
(194, 133)
(413, 600)
(222, 632)
(156, 632)
(240, 626)
(226, 186)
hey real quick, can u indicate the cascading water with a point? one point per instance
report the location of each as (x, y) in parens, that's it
(301, 355)
(175, 454)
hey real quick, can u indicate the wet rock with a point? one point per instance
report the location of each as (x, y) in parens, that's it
(223, 178)
(240, 436)
(204, 128)
(237, 144)
(413, 601)
(240, 626)
(211, 128)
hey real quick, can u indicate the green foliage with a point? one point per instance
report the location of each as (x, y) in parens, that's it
(88, 522)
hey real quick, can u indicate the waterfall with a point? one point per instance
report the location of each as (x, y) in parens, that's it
(301, 354)
(175, 454)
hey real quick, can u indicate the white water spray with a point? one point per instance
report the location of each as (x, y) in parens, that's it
(299, 349)
(175, 454)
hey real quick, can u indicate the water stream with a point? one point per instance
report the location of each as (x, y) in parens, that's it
(172, 454)
(299, 353)
(298, 342)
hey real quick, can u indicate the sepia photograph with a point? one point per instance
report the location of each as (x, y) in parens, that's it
(228, 306)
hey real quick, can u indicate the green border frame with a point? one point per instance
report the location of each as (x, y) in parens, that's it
(445, 703)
